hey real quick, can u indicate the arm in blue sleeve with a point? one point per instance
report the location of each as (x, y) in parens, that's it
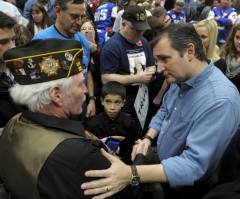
(224, 21)
(209, 136)
(157, 120)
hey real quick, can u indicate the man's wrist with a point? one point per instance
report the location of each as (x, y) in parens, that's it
(148, 137)
(93, 98)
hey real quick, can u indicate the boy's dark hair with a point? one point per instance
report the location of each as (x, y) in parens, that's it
(6, 21)
(114, 88)
(63, 3)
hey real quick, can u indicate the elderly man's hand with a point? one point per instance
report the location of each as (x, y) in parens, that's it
(91, 109)
(113, 180)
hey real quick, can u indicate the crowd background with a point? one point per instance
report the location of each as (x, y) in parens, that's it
(218, 18)
(216, 21)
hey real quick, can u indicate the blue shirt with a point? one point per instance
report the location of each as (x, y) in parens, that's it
(195, 124)
(52, 32)
(103, 16)
(103, 20)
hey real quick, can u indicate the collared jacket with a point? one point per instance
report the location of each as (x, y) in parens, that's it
(45, 157)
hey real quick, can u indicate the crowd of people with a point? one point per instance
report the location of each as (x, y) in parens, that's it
(121, 99)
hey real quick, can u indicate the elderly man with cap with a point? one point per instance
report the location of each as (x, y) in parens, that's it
(43, 153)
(126, 58)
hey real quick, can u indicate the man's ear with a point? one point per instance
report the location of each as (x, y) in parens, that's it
(56, 95)
(191, 52)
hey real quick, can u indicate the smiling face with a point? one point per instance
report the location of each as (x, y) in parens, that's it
(175, 67)
(112, 105)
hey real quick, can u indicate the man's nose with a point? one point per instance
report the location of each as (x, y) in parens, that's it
(79, 21)
(160, 67)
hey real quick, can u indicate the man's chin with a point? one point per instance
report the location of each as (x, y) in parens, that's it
(170, 80)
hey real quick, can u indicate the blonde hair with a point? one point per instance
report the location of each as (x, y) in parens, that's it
(211, 25)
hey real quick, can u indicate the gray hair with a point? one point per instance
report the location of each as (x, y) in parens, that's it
(36, 96)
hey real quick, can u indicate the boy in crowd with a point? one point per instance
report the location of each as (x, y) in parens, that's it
(113, 121)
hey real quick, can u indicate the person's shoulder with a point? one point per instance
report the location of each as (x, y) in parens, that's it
(226, 91)
(8, 7)
(63, 171)
(82, 39)
(30, 2)
(46, 33)
(231, 9)
(80, 36)
(67, 149)
(144, 41)
(113, 43)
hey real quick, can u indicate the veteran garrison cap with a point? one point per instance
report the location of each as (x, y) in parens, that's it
(137, 16)
(44, 60)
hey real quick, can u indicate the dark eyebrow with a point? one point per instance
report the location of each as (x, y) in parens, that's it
(163, 56)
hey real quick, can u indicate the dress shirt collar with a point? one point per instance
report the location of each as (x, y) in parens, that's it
(203, 75)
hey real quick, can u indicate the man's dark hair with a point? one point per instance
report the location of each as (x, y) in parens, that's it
(6, 21)
(180, 35)
(63, 3)
(114, 88)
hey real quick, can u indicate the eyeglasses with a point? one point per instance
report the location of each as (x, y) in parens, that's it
(7, 40)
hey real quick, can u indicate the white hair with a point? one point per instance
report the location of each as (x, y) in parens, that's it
(36, 96)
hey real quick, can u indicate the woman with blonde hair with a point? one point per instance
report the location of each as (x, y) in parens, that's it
(231, 53)
(208, 32)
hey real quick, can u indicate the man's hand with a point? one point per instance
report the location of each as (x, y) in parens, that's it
(113, 179)
(145, 76)
(91, 109)
(141, 146)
